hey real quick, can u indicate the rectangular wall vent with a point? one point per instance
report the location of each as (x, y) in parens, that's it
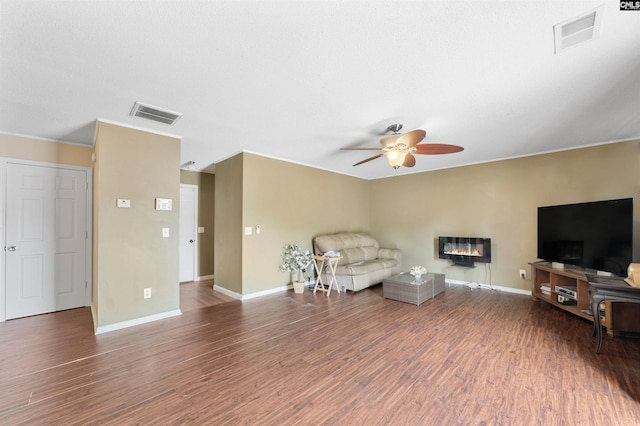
(577, 30)
(155, 114)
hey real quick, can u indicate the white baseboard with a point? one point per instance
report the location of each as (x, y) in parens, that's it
(227, 292)
(205, 277)
(137, 321)
(490, 287)
(266, 292)
(251, 295)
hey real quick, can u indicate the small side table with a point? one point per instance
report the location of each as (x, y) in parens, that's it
(332, 264)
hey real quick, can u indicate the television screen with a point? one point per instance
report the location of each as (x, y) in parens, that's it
(596, 235)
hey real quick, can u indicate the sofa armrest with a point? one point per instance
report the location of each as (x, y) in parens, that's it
(387, 253)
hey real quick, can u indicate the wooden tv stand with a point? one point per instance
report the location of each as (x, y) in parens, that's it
(619, 318)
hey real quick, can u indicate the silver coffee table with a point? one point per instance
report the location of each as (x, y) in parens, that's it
(405, 288)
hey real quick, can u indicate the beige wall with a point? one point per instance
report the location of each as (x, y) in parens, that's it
(291, 203)
(33, 149)
(498, 200)
(129, 250)
(206, 209)
(228, 224)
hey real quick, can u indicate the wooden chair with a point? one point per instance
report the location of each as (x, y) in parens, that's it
(612, 289)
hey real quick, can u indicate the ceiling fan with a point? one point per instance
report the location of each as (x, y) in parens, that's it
(400, 148)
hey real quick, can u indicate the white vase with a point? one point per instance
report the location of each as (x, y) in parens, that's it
(298, 287)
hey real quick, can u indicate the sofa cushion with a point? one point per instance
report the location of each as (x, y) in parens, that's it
(352, 246)
(360, 268)
(357, 254)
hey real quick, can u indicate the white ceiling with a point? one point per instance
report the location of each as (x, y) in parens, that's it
(298, 80)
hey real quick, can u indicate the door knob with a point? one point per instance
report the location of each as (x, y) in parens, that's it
(10, 248)
(190, 241)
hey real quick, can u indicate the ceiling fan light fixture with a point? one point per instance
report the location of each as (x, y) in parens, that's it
(395, 158)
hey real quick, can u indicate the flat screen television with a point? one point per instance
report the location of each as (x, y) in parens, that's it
(595, 235)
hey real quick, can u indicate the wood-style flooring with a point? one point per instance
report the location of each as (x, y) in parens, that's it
(200, 294)
(470, 356)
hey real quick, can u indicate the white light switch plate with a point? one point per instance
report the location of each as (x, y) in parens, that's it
(200, 229)
(165, 232)
(248, 230)
(122, 203)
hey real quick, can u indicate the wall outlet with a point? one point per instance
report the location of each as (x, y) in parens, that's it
(523, 274)
(147, 293)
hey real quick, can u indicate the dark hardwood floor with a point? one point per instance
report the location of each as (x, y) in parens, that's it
(200, 294)
(470, 356)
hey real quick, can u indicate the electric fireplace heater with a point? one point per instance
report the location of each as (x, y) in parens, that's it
(465, 251)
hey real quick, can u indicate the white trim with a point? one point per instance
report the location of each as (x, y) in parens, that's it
(265, 292)
(393, 174)
(205, 277)
(130, 126)
(89, 224)
(39, 138)
(227, 292)
(251, 295)
(137, 321)
(3, 220)
(513, 157)
(488, 287)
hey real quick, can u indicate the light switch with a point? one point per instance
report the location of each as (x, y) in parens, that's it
(248, 230)
(200, 229)
(165, 232)
(122, 203)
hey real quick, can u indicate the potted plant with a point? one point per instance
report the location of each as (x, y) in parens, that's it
(296, 261)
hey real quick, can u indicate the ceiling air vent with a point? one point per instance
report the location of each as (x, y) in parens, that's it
(155, 114)
(577, 30)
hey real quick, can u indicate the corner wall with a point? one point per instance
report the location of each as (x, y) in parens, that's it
(291, 203)
(130, 253)
(228, 224)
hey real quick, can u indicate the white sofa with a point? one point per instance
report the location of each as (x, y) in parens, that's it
(363, 263)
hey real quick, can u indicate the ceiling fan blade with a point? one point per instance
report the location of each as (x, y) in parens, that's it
(437, 148)
(412, 138)
(360, 149)
(409, 160)
(389, 141)
(368, 159)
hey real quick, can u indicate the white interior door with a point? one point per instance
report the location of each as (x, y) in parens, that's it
(188, 223)
(45, 239)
